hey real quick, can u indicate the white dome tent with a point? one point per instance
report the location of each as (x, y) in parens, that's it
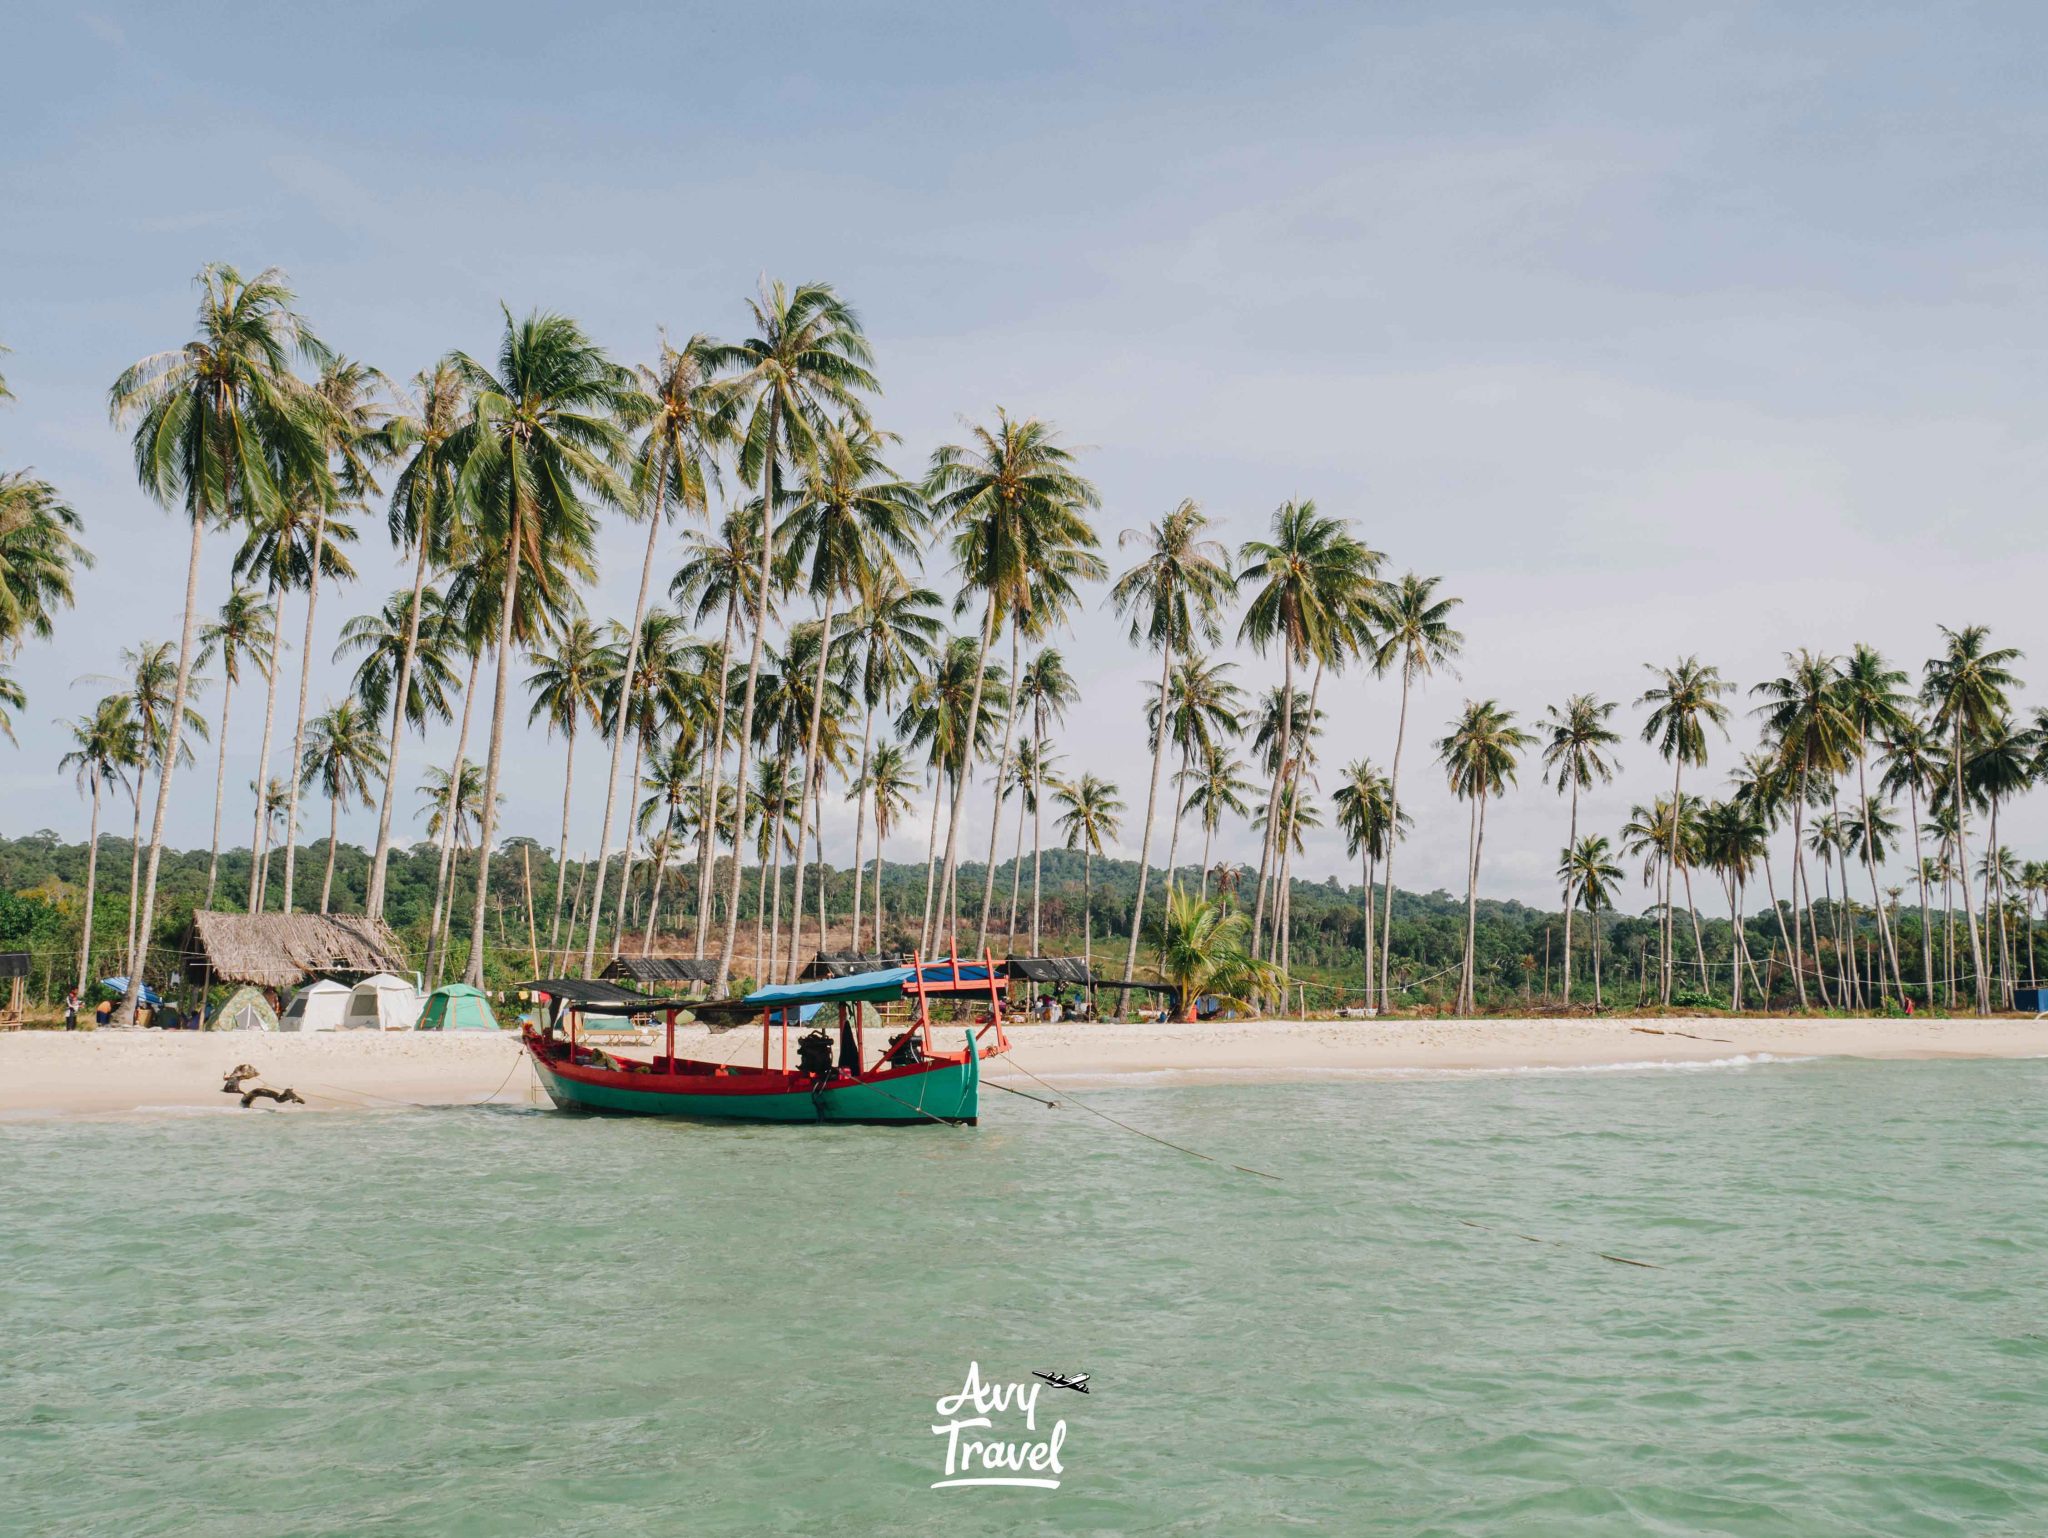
(319, 1006)
(383, 1003)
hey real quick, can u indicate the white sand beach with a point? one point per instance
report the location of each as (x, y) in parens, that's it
(151, 1072)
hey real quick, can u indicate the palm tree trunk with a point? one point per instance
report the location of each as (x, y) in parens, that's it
(373, 903)
(220, 781)
(1926, 918)
(1671, 863)
(1699, 945)
(562, 861)
(619, 919)
(988, 623)
(1266, 838)
(1037, 825)
(773, 960)
(1884, 928)
(611, 784)
(92, 876)
(1088, 908)
(654, 896)
(1734, 946)
(508, 599)
(1471, 998)
(803, 795)
(448, 803)
(995, 815)
(1593, 918)
(1571, 843)
(291, 805)
(1123, 998)
(333, 842)
(135, 868)
(259, 840)
(1963, 865)
(746, 730)
(179, 694)
(931, 857)
(1393, 840)
(1208, 840)
(860, 826)
(1017, 863)
(1798, 872)
(707, 832)
(1180, 806)
(1295, 767)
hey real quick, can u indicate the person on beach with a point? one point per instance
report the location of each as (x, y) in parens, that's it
(71, 1009)
(103, 1012)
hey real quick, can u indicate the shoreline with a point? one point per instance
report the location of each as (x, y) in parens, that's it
(49, 1074)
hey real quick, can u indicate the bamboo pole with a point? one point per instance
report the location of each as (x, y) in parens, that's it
(532, 934)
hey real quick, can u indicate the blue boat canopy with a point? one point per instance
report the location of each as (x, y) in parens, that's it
(863, 987)
(881, 987)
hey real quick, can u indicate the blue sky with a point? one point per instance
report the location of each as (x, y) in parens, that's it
(1651, 329)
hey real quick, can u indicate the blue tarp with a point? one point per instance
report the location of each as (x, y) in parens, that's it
(120, 986)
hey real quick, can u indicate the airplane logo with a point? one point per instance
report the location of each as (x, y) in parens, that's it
(1078, 1382)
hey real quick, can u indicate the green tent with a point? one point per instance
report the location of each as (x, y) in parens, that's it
(457, 1007)
(248, 1010)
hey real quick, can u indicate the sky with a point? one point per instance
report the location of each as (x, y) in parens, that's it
(1652, 330)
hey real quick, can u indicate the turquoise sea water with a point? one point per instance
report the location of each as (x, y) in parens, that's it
(500, 1321)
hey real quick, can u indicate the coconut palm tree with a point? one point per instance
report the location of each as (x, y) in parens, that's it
(39, 551)
(1310, 582)
(1018, 513)
(1760, 786)
(1912, 761)
(424, 516)
(671, 784)
(1203, 707)
(1415, 636)
(1030, 777)
(1203, 953)
(1479, 755)
(1294, 815)
(1732, 838)
(2034, 882)
(151, 679)
(106, 747)
(717, 575)
(565, 684)
(1093, 816)
(279, 547)
(807, 363)
(1220, 786)
(1876, 706)
(651, 670)
(687, 421)
(244, 632)
(1684, 701)
(888, 784)
(1366, 813)
(1174, 598)
(2000, 767)
(215, 420)
(342, 758)
(848, 524)
(1576, 744)
(1046, 689)
(454, 802)
(888, 640)
(386, 638)
(1588, 869)
(1966, 689)
(352, 418)
(541, 443)
(1803, 715)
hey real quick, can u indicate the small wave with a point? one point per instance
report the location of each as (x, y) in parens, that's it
(1309, 1073)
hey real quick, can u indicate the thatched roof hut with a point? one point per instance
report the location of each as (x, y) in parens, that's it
(282, 950)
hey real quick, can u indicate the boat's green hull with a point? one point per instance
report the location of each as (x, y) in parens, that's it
(949, 1093)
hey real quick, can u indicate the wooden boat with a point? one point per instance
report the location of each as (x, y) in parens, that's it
(909, 1079)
